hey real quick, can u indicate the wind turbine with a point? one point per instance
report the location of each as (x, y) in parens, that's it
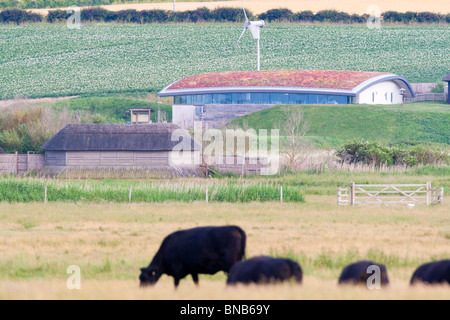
(255, 28)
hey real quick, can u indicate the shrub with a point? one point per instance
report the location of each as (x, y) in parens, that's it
(95, 14)
(128, 16)
(392, 16)
(428, 17)
(55, 16)
(201, 14)
(149, 16)
(367, 152)
(230, 15)
(331, 16)
(374, 153)
(19, 16)
(277, 15)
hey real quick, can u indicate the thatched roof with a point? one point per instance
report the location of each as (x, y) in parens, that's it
(118, 137)
(446, 78)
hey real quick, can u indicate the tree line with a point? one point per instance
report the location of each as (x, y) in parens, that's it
(98, 14)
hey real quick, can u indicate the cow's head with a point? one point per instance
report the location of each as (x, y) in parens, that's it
(149, 276)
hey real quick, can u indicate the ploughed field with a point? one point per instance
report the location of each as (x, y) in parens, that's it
(52, 60)
(111, 242)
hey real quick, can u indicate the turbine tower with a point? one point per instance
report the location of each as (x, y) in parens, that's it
(255, 28)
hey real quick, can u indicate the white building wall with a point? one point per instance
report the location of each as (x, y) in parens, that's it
(387, 92)
(183, 115)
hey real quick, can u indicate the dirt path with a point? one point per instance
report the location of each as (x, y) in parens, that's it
(25, 102)
(259, 6)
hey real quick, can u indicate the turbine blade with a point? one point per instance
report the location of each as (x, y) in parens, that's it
(242, 34)
(245, 14)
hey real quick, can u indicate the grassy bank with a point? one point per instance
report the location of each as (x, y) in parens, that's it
(412, 123)
(113, 109)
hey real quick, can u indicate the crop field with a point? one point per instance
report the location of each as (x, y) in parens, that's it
(52, 60)
(111, 242)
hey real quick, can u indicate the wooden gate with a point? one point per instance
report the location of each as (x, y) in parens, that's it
(390, 194)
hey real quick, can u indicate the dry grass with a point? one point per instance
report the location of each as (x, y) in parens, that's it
(111, 242)
(259, 6)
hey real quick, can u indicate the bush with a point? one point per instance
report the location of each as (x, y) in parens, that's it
(367, 152)
(19, 16)
(428, 17)
(306, 16)
(230, 15)
(277, 15)
(201, 14)
(374, 153)
(392, 16)
(95, 14)
(150, 16)
(331, 16)
(128, 16)
(55, 16)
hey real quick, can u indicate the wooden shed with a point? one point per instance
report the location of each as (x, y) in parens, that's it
(447, 79)
(121, 146)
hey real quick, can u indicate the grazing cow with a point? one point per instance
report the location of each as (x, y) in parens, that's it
(263, 270)
(194, 251)
(437, 272)
(364, 272)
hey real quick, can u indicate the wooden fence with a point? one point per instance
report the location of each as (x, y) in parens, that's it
(21, 163)
(427, 97)
(390, 194)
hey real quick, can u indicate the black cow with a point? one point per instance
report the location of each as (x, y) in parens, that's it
(437, 272)
(194, 251)
(360, 272)
(262, 270)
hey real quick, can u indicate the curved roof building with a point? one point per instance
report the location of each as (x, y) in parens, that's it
(271, 87)
(286, 87)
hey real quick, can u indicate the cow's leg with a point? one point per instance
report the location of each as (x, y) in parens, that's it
(195, 278)
(176, 281)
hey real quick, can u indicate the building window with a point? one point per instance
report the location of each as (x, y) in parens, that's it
(298, 98)
(263, 98)
(260, 98)
(337, 100)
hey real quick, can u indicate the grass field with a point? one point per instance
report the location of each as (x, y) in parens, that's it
(111, 242)
(52, 60)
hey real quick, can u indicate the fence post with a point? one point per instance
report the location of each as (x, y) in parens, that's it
(129, 194)
(338, 200)
(441, 196)
(281, 194)
(352, 194)
(207, 195)
(45, 194)
(17, 162)
(429, 193)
